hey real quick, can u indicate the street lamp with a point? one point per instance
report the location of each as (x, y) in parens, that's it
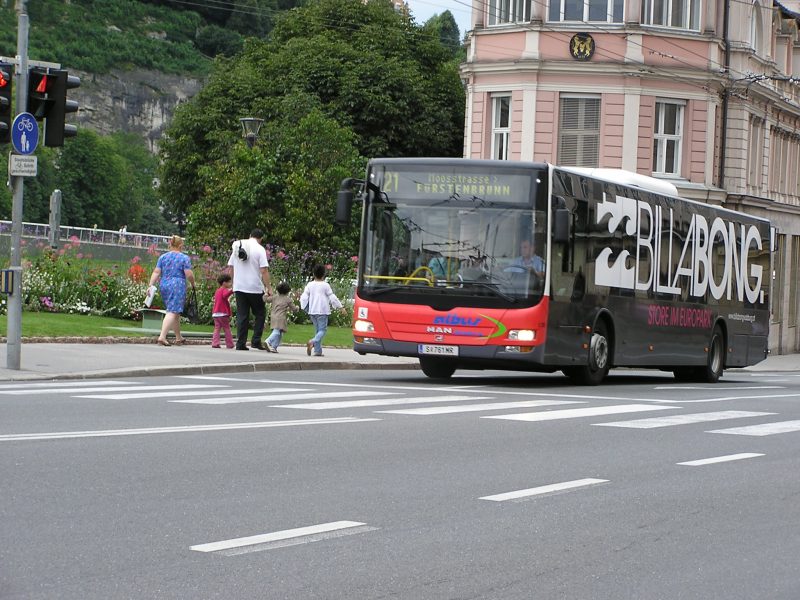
(250, 127)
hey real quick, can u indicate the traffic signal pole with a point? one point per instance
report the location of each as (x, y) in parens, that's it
(14, 333)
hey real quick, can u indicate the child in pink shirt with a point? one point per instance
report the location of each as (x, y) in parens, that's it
(222, 311)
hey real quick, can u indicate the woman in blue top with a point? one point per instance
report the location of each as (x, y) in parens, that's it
(173, 269)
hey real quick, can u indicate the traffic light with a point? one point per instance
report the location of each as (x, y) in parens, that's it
(38, 100)
(47, 99)
(6, 76)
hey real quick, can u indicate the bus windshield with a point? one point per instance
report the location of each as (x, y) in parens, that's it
(474, 236)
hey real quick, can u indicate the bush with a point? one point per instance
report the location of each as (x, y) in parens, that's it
(71, 281)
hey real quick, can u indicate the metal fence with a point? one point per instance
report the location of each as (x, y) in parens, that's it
(91, 235)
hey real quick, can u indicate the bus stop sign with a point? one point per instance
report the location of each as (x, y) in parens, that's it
(24, 133)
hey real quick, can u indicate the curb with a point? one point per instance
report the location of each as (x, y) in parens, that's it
(212, 370)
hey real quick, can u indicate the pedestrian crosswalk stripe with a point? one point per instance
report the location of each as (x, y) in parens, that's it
(50, 384)
(545, 489)
(684, 419)
(379, 402)
(462, 408)
(719, 459)
(172, 394)
(63, 435)
(116, 388)
(762, 430)
(447, 389)
(277, 396)
(714, 387)
(280, 539)
(574, 413)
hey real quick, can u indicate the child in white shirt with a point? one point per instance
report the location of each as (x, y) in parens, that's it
(317, 300)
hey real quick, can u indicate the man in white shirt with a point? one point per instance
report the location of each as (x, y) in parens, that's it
(250, 271)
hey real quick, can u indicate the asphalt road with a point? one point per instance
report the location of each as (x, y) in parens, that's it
(369, 484)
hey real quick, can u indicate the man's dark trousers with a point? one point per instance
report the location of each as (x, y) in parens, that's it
(245, 303)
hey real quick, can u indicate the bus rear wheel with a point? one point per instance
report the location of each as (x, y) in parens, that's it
(436, 368)
(598, 360)
(715, 362)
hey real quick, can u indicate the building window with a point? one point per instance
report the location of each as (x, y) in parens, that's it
(755, 29)
(667, 138)
(755, 152)
(779, 157)
(579, 131)
(508, 11)
(605, 11)
(681, 14)
(501, 126)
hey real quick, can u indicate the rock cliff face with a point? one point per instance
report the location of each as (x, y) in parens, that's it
(137, 101)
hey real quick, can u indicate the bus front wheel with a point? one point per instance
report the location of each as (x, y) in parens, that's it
(598, 360)
(436, 368)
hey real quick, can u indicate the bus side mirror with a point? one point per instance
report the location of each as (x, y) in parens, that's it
(344, 201)
(344, 207)
(561, 218)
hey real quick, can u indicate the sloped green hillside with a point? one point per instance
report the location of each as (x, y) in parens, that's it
(163, 35)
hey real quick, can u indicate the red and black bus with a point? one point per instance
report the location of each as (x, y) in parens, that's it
(480, 264)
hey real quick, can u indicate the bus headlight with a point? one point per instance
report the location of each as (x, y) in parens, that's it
(363, 326)
(522, 335)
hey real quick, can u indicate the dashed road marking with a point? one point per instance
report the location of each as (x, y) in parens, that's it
(545, 489)
(287, 537)
(719, 459)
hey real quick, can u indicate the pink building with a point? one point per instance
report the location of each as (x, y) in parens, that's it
(701, 94)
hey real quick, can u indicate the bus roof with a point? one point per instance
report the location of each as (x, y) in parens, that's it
(628, 178)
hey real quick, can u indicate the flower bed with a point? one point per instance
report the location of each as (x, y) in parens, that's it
(69, 280)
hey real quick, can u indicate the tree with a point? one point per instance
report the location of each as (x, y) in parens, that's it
(285, 185)
(445, 27)
(363, 65)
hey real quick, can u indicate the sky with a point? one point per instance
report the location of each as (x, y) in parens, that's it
(425, 9)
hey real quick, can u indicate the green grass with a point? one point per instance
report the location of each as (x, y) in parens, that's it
(45, 324)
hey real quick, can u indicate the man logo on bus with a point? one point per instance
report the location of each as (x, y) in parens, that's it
(710, 258)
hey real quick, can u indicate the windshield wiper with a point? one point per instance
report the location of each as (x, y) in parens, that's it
(384, 290)
(491, 287)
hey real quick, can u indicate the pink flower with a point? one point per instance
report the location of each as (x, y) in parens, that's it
(281, 254)
(135, 260)
(79, 255)
(74, 239)
(206, 248)
(329, 267)
(354, 259)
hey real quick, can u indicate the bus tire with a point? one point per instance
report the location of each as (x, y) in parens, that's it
(436, 368)
(715, 361)
(598, 359)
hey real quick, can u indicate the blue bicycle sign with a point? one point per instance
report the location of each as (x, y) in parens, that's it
(25, 133)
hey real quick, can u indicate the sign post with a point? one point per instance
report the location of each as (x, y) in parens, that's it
(14, 333)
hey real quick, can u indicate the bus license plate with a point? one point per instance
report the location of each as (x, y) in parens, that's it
(440, 350)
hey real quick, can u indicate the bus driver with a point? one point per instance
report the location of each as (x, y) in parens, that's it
(527, 261)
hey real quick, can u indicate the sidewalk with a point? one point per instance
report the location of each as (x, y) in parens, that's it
(83, 360)
(40, 361)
